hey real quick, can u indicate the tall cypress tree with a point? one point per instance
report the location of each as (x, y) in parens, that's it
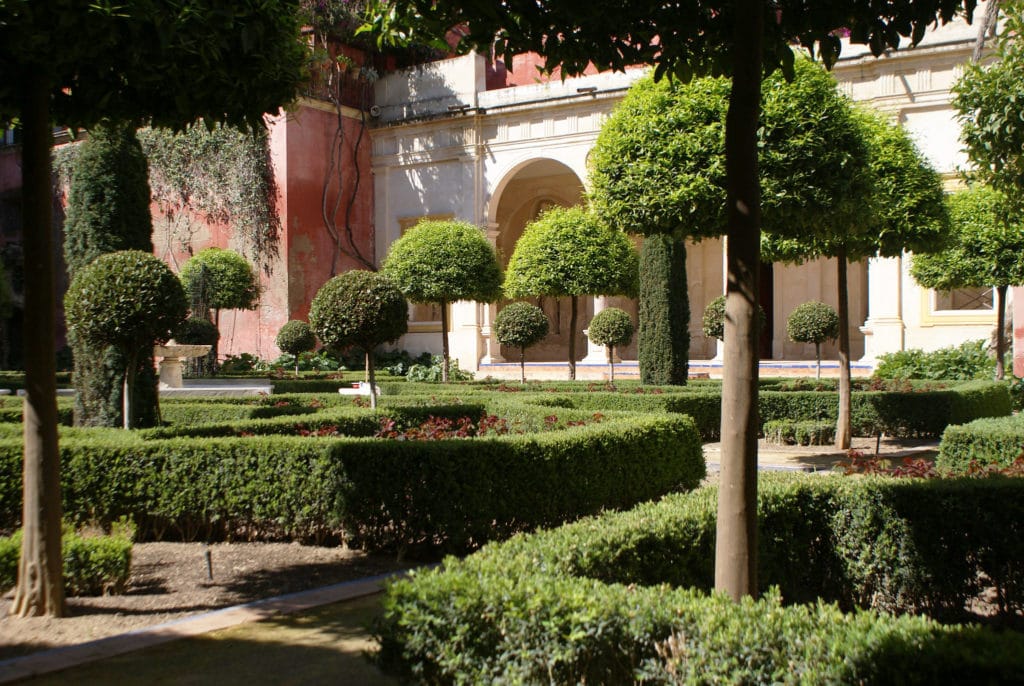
(664, 332)
(108, 210)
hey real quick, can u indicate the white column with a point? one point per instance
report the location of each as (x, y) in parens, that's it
(491, 347)
(884, 329)
(596, 354)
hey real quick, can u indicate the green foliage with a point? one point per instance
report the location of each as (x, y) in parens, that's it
(985, 249)
(359, 308)
(807, 432)
(108, 198)
(232, 75)
(431, 373)
(126, 299)
(443, 262)
(197, 331)
(568, 251)
(220, 279)
(813, 322)
(664, 312)
(987, 98)
(241, 478)
(520, 324)
(990, 441)
(659, 163)
(93, 564)
(611, 327)
(220, 172)
(296, 337)
(713, 319)
(969, 360)
(588, 601)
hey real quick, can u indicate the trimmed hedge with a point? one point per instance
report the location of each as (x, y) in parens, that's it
(997, 441)
(588, 602)
(454, 493)
(809, 432)
(93, 565)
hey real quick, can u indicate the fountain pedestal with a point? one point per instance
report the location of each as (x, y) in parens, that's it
(173, 354)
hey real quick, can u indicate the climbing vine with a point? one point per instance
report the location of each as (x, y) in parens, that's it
(222, 174)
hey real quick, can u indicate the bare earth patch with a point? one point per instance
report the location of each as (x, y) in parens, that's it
(169, 581)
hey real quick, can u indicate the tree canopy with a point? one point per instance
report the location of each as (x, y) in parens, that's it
(986, 250)
(988, 97)
(521, 324)
(570, 252)
(221, 280)
(443, 262)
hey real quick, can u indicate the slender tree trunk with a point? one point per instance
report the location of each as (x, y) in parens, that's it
(572, 337)
(986, 29)
(371, 379)
(40, 589)
(1000, 336)
(843, 429)
(444, 342)
(611, 363)
(817, 356)
(129, 389)
(736, 533)
(522, 364)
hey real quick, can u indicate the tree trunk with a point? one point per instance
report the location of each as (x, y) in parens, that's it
(986, 29)
(371, 379)
(522, 364)
(572, 337)
(817, 356)
(40, 589)
(444, 342)
(843, 429)
(129, 389)
(611, 363)
(1000, 335)
(736, 533)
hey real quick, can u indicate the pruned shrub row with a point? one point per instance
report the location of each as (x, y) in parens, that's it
(455, 494)
(806, 432)
(996, 441)
(589, 601)
(93, 564)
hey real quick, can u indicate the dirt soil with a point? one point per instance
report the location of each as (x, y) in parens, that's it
(169, 581)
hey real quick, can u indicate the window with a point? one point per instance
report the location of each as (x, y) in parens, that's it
(964, 299)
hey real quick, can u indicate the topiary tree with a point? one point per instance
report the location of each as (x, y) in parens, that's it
(521, 324)
(361, 309)
(108, 210)
(713, 319)
(127, 299)
(813, 322)
(986, 250)
(570, 252)
(611, 327)
(296, 337)
(441, 262)
(218, 279)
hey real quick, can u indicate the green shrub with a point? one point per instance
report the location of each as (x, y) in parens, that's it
(990, 441)
(93, 564)
(969, 360)
(521, 325)
(812, 322)
(197, 331)
(295, 338)
(432, 373)
(789, 432)
(663, 345)
(713, 320)
(244, 479)
(589, 601)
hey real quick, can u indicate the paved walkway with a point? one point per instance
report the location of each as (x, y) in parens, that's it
(817, 458)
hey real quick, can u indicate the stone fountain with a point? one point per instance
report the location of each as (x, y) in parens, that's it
(173, 354)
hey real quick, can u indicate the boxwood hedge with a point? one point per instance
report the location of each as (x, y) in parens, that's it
(998, 441)
(454, 493)
(591, 601)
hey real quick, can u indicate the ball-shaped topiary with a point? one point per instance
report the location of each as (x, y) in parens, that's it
(813, 322)
(295, 338)
(611, 327)
(197, 331)
(713, 321)
(221, 280)
(126, 299)
(362, 309)
(521, 325)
